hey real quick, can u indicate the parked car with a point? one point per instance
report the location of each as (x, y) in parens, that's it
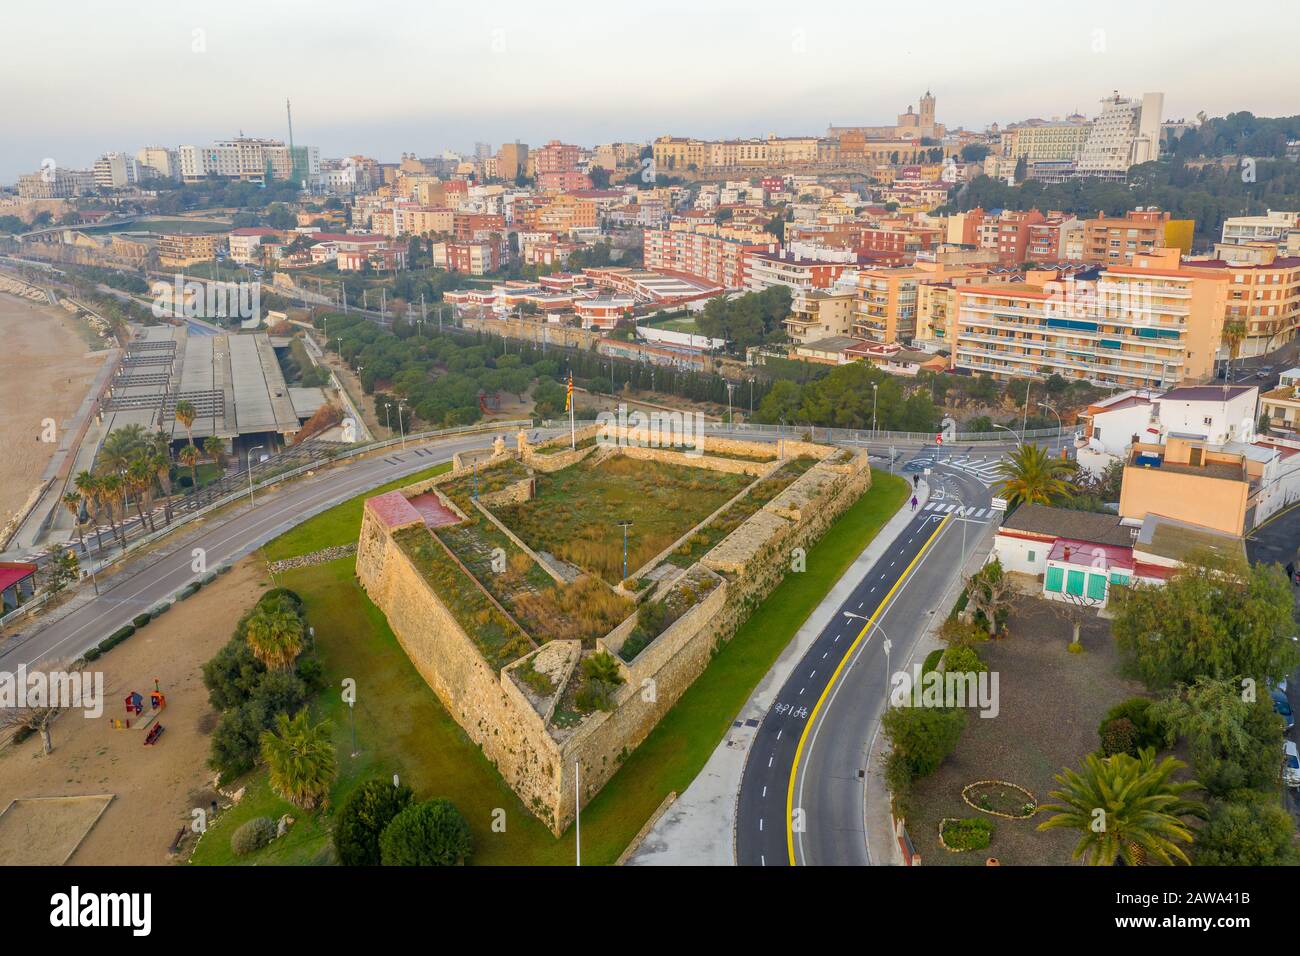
(1290, 764)
(1282, 707)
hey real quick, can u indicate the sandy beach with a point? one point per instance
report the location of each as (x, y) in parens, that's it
(45, 370)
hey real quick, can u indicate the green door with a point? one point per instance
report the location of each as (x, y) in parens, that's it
(1054, 576)
(1074, 582)
(1097, 587)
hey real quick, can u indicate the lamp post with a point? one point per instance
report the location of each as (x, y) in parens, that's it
(873, 410)
(388, 424)
(401, 430)
(887, 644)
(1060, 429)
(1019, 443)
(625, 524)
(250, 472)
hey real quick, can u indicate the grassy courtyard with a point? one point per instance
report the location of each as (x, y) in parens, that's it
(576, 511)
(402, 728)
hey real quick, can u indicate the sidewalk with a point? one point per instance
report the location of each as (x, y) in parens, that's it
(698, 829)
(882, 844)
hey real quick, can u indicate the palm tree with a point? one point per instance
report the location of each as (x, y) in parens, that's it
(88, 485)
(72, 501)
(1234, 331)
(139, 481)
(275, 635)
(300, 758)
(121, 447)
(111, 495)
(162, 471)
(216, 450)
(185, 413)
(1125, 808)
(189, 456)
(1031, 475)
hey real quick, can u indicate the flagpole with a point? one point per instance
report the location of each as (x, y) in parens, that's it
(573, 434)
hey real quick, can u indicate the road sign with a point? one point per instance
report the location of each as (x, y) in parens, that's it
(999, 504)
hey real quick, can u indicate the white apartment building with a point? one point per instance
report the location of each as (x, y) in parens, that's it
(248, 160)
(1127, 132)
(1273, 227)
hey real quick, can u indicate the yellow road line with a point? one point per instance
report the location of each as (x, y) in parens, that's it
(812, 718)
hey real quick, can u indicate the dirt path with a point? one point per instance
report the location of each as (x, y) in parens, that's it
(45, 370)
(156, 787)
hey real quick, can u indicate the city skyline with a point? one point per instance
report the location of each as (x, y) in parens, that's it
(523, 86)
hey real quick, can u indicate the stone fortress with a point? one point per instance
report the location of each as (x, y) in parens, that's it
(512, 691)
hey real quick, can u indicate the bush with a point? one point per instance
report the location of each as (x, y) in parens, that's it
(931, 661)
(363, 817)
(1149, 731)
(967, 834)
(923, 736)
(160, 610)
(188, 591)
(140, 620)
(1249, 828)
(116, 638)
(252, 835)
(92, 654)
(432, 833)
(1119, 736)
(963, 660)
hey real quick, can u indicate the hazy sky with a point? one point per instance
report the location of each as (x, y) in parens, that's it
(81, 77)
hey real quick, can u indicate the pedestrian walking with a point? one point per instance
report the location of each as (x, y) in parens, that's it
(913, 502)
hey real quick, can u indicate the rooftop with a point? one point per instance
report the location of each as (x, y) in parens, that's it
(1068, 523)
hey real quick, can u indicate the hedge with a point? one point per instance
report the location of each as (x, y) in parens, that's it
(140, 620)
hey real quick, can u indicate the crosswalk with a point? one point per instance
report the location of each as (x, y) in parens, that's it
(985, 470)
(971, 514)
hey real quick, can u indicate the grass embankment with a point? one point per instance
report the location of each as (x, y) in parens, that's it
(402, 728)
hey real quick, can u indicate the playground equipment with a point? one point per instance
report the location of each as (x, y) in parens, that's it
(134, 705)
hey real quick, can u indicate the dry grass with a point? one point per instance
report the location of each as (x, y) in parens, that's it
(583, 611)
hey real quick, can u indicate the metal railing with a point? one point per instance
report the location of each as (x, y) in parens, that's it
(854, 435)
(240, 479)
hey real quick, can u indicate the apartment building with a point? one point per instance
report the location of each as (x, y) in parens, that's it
(246, 243)
(791, 269)
(888, 307)
(821, 314)
(1147, 325)
(714, 259)
(55, 182)
(1273, 228)
(476, 258)
(1054, 141)
(1126, 133)
(176, 250)
(249, 160)
(1263, 298)
(1054, 239)
(1116, 240)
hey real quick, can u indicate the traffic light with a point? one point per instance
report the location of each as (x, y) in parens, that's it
(938, 439)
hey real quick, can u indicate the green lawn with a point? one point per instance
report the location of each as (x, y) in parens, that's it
(402, 728)
(338, 525)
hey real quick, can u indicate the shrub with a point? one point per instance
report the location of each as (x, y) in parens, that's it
(140, 620)
(188, 591)
(92, 654)
(600, 678)
(116, 638)
(963, 660)
(160, 610)
(1150, 732)
(252, 835)
(931, 661)
(924, 736)
(432, 833)
(972, 834)
(363, 817)
(1119, 736)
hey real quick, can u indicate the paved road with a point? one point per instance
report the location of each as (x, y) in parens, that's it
(149, 580)
(825, 716)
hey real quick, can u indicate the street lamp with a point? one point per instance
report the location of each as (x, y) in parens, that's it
(250, 472)
(1060, 429)
(625, 524)
(1019, 443)
(873, 410)
(887, 644)
(401, 431)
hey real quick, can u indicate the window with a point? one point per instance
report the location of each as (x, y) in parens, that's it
(1031, 556)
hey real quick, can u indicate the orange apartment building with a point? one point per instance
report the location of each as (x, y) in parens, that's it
(1263, 296)
(714, 259)
(1150, 325)
(888, 299)
(1116, 240)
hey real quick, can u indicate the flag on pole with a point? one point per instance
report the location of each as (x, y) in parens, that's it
(568, 395)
